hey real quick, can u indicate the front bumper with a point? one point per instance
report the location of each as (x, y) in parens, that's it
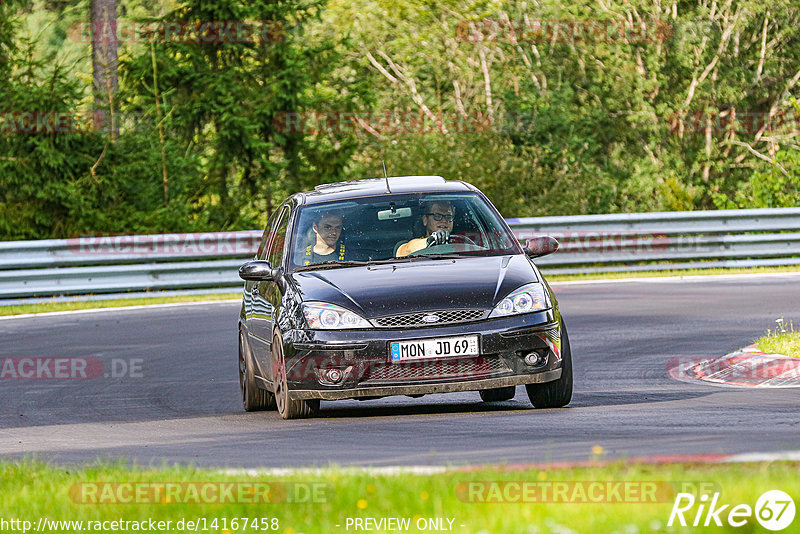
(362, 359)
(424, 389)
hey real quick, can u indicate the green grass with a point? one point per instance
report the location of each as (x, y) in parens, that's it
(45, 307)
(30, 490)
(787, 343)
(655, 274)
(114, 303)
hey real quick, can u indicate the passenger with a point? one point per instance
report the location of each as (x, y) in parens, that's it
(327, 247)
(437, 217)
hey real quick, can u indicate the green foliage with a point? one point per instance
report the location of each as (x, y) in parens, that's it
(38, 172)
(196, 146)
(770, 188)
(778, 185)
(546, 118)
(221, 100)
(615, 123)
(485, 499)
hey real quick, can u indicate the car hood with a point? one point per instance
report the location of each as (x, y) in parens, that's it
(424, 285)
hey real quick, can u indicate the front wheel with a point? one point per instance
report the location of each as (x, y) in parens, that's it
(559, 392)
(288, 408)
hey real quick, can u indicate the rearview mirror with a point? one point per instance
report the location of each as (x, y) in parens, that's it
(394, 213)
(540, 246)
(257, 271)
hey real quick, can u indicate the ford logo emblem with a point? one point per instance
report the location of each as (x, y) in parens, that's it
(430, 319)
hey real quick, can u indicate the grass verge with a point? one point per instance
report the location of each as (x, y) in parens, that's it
(786, 343)
(615, 498)
(656, 274)
(44, 307)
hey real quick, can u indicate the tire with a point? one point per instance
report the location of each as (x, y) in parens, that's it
(253, 397)
(498, 394)
(559, 392)
(288, 408)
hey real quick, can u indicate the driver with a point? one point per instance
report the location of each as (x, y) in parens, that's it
(437, 217)
(327, 247)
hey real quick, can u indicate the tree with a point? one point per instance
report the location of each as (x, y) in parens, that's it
(224, 93)
(104, 63)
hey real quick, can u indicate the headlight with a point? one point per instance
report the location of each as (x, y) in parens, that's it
(528, 298)
(324, 316)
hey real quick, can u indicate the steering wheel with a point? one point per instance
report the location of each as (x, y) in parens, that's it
(460, 238)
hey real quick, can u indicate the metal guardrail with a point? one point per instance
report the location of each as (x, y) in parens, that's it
(589, 243)
(115, 250)
(667, 240)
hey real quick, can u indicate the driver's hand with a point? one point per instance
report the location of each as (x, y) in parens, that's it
(439, 237)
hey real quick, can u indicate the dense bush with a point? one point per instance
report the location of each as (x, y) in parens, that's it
(685, 106)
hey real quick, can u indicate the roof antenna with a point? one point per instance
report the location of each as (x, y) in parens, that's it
(386, 176)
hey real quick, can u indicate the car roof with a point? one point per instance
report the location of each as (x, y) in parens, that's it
(377, 186)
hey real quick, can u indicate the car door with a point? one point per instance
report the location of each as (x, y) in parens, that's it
(266, 295)
(249, 286)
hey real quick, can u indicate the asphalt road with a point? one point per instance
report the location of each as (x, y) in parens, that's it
(181, 402)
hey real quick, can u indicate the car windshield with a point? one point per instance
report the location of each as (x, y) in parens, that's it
(393, 228)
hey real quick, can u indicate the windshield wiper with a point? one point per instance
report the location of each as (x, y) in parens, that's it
(438, 256)
(389, 260)
(335, 264)
(331, 264)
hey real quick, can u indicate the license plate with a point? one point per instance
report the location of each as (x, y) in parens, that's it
(441, 347)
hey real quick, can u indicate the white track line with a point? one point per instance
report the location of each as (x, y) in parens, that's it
(391, 470)
(788, 456)
(427, 470)
(394, 470)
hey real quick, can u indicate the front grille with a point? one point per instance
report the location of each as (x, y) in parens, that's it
(416, 319)
(465, 368)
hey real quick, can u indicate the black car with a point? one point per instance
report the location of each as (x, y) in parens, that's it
(397, 286)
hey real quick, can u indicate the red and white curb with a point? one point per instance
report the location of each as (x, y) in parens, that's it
(747, 367)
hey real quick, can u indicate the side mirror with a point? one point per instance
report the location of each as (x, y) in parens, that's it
(540, 246)
(257, 271)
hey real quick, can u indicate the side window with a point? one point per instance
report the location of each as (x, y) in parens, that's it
(265, 239)
(262, 247)
(275, 250)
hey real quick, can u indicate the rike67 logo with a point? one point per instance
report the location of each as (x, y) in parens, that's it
(774, 510)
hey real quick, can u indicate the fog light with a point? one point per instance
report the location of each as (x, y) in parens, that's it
(333, 375)
(534, 359)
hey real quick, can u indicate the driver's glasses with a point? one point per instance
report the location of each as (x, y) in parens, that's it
(441, 216)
